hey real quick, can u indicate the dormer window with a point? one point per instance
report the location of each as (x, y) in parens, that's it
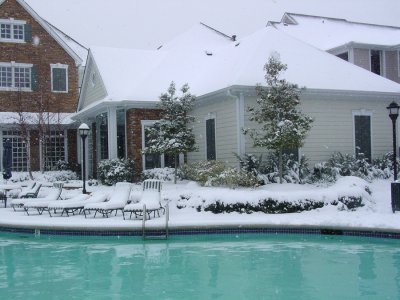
(15, 31)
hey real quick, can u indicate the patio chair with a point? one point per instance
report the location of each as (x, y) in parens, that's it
(118, 199)
(40, 204)
(31, 191)
(28, 190)
(151, 199)
(76, 204)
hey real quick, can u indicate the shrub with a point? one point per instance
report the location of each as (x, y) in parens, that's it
(164, 174)
(267, 170)
(273, 206)
(111, 171)
(349, 165)
(202, 171)
(232, 178)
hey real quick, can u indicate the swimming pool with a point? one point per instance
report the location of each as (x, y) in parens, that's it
(244, 266)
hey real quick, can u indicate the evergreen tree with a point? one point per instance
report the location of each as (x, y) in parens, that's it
(172, 134)
(282, 125)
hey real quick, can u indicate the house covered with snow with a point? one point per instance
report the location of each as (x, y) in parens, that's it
(373, 47)
(41, 69)
(121, 89)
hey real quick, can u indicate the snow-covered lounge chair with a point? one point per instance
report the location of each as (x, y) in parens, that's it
(31, 191)
(118, 199)
(150, 199)
(40, 204)
(76, 203)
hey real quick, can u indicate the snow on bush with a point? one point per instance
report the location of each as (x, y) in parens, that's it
(164, 174)
(111, 171)
(49, 176)
(348, 193)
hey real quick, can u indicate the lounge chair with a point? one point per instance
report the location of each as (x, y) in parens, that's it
(31, 192)
(76, 203)
(40, 204)
(150, 199)
(118, 199)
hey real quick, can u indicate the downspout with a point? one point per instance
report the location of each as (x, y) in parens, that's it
(239, 99)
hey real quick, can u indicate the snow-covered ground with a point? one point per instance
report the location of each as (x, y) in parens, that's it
(375, 215)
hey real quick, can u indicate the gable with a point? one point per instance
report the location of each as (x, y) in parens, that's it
(20, 10)
(93, 88)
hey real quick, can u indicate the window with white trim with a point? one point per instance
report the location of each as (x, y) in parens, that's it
(15, 76)
(19, 150)
(59, 78)
(12, 30)
(54, 151)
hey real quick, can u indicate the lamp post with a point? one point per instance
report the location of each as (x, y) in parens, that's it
(393, 109)
(83, 132)
(393, 114)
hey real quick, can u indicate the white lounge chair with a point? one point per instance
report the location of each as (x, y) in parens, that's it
(76, 203)
(40, 204)
(150, 199)
(28, 194)
(118, 199)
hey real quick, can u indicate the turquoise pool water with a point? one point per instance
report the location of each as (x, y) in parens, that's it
(201, 267)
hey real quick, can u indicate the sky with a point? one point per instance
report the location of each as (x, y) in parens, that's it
(147, 24)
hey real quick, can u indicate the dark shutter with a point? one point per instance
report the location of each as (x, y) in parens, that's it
(362, 129)
(292, 152)
(210, 139)
(34, 78)
(28, 33)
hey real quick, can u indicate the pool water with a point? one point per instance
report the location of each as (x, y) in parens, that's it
(254, 266)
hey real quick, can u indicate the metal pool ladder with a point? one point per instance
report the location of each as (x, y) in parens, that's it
(155, 237)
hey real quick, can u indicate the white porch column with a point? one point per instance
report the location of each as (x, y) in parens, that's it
(112, 132)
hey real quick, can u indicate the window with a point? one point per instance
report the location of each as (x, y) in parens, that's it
(13, 30)
(54, 150)
(344, 56)
(121, 133)
(59, 78)
(16, 76)
(376, 62)
(210, 139)
(102, 136)
(362, 135)
(19, 153)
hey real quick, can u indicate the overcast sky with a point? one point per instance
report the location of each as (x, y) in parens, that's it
(149, 23)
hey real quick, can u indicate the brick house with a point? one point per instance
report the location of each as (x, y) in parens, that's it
(369, 46)
(40, 74)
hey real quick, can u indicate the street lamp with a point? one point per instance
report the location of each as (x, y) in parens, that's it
(393, 109)
(83, 132)
(393, 114)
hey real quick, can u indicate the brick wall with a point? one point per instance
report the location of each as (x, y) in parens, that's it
(134, 133)
(47, 52)
(72, 148)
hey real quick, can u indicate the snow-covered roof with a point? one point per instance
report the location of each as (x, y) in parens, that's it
(328, 33)
(140, 75)
(32, 118)
(75, 46)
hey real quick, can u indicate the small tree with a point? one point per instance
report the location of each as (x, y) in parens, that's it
(282, 125)
(172, 134)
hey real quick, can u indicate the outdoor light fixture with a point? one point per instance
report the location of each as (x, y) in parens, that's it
(83, 132)
(393, 109)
